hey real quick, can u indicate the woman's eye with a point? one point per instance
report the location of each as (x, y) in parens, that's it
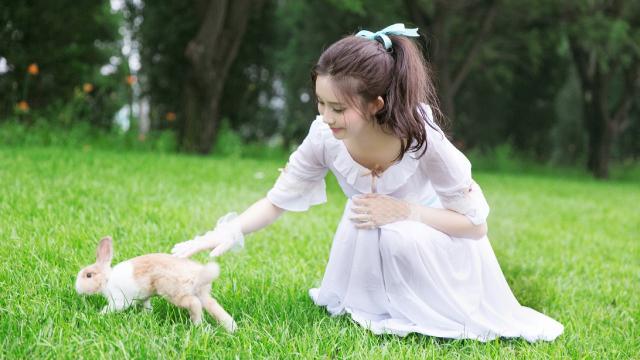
(338, 110)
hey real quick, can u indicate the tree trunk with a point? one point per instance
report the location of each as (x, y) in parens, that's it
(210, 55)
(442, 61)
(599, 73)
(600, 125)
(599, 140)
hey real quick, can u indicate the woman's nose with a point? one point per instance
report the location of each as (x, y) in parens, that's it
(327, 120)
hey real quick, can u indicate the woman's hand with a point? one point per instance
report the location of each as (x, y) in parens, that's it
(225, 236)
(374, 210)
(209, 241)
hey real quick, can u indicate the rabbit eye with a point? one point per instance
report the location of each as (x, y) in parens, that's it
(89, 275)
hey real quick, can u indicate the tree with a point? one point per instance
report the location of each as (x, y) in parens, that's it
(509, 95)
(253, 101)
(458, 30)
(68, 41)
(187, 49)
(604, 42)
(210, 55)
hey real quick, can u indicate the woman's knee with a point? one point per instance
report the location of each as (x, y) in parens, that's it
(397, 244)
(408, 239)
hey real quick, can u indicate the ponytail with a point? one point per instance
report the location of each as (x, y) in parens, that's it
(409, 90)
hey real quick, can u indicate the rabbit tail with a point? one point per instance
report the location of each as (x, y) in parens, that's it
(209, 272)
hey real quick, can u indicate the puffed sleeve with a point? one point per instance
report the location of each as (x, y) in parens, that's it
(301, 183)
(450, 174)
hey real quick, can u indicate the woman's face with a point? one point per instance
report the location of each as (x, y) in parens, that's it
(344, 119)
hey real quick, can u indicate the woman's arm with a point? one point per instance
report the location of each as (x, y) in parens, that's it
(374, 210)
(230, 230)
(448, 222)
(257, 216)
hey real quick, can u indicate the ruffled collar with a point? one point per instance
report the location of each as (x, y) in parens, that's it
(359, 177)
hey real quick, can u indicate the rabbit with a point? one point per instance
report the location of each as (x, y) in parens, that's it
(182, 282)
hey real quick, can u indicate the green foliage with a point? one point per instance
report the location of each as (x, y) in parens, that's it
(511, 94)
(627, 171)
(522, 89)
(500, 158)
(568, 137)
(81, 135)
(247, 101)
(163, 29)
(609, 31)
(68, 41)
(228, 143)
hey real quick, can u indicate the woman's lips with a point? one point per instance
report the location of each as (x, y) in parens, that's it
(335, 130)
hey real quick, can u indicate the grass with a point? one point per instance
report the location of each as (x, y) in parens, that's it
(568, 248)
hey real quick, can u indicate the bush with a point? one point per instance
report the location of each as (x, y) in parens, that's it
(628, 170)
(228, 143)
(500, 158)
(81, 135)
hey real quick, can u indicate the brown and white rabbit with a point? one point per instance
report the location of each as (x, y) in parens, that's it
(182, 282)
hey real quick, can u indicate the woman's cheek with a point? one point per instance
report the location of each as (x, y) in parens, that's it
(354, 120)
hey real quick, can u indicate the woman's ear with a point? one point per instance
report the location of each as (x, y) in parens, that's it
(376, 105)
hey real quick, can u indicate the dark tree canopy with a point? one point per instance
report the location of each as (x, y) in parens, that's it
(555, 81)
(68, 41)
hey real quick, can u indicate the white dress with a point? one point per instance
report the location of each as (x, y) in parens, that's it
(406, 276)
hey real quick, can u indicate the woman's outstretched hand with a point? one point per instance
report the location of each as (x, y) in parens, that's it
(208, 241)
(225, 236)
(374, 210)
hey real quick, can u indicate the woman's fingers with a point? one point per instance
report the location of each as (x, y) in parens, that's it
(179, 248)
(366, 225)
(359, 210)
(221, 249)
(360, 217)
(185, 253)
(187, 248)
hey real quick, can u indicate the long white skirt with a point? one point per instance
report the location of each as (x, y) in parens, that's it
(408, 277)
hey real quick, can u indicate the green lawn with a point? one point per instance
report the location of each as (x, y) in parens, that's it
(569, 248)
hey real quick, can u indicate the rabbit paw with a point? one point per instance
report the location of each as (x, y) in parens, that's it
(230, 325)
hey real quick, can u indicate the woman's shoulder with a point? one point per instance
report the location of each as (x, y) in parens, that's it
(430, 123)
(319, 126)
(319, 131)
(440, 152)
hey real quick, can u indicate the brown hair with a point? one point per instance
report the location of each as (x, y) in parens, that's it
(363, 69)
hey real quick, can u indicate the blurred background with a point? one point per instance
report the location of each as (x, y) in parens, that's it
(527, 82)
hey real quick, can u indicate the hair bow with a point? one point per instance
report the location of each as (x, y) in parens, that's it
(395, 29)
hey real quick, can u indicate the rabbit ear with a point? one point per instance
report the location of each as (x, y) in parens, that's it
(105, 251)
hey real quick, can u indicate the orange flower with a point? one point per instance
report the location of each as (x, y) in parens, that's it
(23, 106)
(33, 69)
(131, 79)
(171, 116)
(87, 87)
